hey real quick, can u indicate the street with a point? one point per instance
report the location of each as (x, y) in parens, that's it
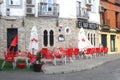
(108, 71)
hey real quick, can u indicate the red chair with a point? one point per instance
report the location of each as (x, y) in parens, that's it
(98, 51)
(76, 52)
(9, 58)
(89, 52)
(68, 53)
(105, 50)
(62, 51)
(48, 56)
(57, 55)
(32, 59)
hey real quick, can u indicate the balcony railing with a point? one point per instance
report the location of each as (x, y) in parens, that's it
(46, 9)
(117, 2)
(82, 13)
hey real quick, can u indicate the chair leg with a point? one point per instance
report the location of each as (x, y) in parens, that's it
(79, 56)
(13, 65)
(54, 61)
(3, 64)
(65, 60)
(27, 64)
(71, 60)
(74, 57)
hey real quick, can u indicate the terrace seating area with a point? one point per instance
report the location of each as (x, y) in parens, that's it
(56, 55)
(70, 54)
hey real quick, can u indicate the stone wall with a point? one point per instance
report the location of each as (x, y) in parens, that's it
(42, 23)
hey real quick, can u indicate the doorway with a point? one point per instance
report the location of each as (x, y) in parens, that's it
(12, 39)
(104, 40)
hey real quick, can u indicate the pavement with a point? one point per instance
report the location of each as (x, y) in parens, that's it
(79, 64)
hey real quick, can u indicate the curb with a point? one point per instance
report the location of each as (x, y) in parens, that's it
(79, 65)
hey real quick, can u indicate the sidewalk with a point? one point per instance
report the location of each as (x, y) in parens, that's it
(79, 65)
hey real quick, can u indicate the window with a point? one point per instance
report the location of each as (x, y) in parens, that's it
(112, 42)
(45, 38)
(51, 38)
(48, 37)
(91, 39)
(47, 7)
(94, 40)
(104, 40)
(78, 8)
(15, 2)
(88, 36)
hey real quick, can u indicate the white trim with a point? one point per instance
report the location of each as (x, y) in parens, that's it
(67, 30)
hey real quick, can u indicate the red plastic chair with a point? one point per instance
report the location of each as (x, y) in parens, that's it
(32, 59)
(98, 51)
(57, 55)
(89, 52)
(48, 56)
(76, 52)
(68, 54)
(9, 58)
(62, 51)
(105, 50)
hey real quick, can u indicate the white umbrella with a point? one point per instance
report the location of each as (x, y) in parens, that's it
(33, 41)
(83, 42)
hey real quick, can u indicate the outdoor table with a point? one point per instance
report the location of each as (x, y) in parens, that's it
(23, 58)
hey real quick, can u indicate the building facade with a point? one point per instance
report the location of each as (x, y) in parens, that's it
(110, 24)
(57, 21)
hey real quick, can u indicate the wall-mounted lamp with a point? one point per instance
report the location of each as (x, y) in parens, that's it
(60, 28)
(11, 25)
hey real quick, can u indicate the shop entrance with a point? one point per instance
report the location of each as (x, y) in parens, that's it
(12, 39)
(104, 40)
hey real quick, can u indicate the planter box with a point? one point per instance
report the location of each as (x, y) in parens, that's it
(37, 67)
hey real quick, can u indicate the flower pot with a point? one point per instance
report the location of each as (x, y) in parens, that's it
(37, 67)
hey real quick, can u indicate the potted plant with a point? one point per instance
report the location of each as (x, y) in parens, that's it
(37, 66)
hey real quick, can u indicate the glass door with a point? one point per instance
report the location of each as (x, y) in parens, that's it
(112, 42)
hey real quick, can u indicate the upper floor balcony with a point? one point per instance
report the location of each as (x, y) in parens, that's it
(82, 13)
(47, 9)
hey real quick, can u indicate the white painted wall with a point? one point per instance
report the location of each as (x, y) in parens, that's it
(3, 7)
(67, 8)
(94, 15)
(13, 11)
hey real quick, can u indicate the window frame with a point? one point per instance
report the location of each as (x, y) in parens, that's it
(17, 5)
